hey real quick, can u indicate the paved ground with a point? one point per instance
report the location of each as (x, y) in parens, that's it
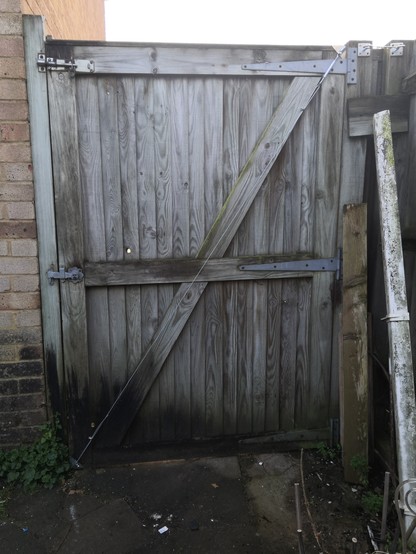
(239, 503)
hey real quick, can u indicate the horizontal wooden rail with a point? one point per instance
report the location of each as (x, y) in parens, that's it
(165, 271)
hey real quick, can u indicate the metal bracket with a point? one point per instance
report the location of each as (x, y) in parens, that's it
(396, 48)
(322, 264)
(73, 66)
(73, 274)
(364, 49)
(341, 66)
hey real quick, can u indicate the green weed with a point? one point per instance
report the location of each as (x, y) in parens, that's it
(43, 463)
(327, 453)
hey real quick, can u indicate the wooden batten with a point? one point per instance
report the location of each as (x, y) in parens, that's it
(409, 84)
(354, 372)
(362, 110)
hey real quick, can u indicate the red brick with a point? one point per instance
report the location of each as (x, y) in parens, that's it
(19, 266)
(14, 110)
(11, 89)
(11, 46)
(20, 191)
(17, 229)
(12, 68)
(19, 300)
(15, 152)
(15, 172)
(14, 132)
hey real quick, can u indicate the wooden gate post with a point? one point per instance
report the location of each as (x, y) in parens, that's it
(354, 371)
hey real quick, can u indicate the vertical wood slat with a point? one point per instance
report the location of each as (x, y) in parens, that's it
(90, 119)
(126, 110)
(180, 247)
(108, 91)
(353, 160)
(64, 136)
(197, 115)
(231, 170)
(354, 376)
(45, 213)
(326, 218)
(213, 196)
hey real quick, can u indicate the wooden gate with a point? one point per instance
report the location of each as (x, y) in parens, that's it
(172, 167)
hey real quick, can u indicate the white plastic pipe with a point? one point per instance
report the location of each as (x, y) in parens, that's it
(401, 367)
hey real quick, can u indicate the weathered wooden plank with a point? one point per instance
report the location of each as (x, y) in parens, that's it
(215, 244)
(272, 416)
(91, 182)
(126, 109)
(213, 198)
(64, 138)
(361, 111)
(409, 83)
(188, 60)
(231, 169)
(304, 322)
(95, 245)
(180, 245)
(288, 331)
(257, 220)
(244, 364)
(354, 373)
(185, 270)
(326, 213)
(353, 167)
(45, 214)
(111, 192)
(196, 106)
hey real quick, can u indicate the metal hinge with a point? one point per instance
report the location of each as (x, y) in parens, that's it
(322, 264)
(73, 274)
(56, 64)
(340, 67)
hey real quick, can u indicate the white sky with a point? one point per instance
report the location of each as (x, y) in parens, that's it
(262, 22)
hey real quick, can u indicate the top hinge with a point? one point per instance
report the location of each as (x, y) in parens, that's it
(71, 65)
(340, 66)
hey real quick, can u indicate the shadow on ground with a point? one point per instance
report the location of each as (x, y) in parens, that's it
(240, 503)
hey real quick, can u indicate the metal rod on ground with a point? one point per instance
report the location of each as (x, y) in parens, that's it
(299, 520)
(385, 507)
(397, 318)
(354, 545)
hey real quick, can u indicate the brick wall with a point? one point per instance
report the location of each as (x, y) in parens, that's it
(22, 379)
(69, 19)
(22, 391)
